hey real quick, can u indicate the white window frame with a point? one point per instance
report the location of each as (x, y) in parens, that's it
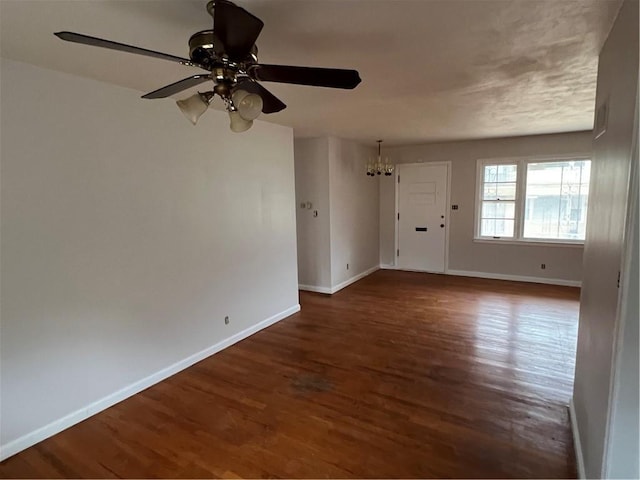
(521, 184)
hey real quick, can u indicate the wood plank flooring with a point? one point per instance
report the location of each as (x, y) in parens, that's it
(399, 375)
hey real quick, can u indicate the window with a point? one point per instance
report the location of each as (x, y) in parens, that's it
(533, 199)
(498, 211)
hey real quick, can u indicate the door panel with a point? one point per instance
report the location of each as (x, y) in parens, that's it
(422, 205)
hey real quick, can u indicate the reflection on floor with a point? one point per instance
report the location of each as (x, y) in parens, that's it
(399, 375)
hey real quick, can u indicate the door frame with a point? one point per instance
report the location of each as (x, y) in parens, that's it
(447, 215)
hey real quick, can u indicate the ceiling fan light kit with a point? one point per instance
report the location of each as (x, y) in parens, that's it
(229, 53)
(194, 106)
(238, 124)
(249, 105)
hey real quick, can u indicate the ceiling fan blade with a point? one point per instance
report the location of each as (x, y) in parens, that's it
(317, 77)
(99, 42)
(236, 28)
(270, 103)
(177, 87)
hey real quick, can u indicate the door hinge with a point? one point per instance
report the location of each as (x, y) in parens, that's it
(398, 253)
(398, 178)
(398, 215)
(618, 278)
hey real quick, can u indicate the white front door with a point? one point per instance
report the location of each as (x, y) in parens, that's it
(422, 217)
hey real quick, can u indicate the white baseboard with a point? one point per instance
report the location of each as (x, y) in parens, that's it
(387, 266)
(340, 286)
(516, 278)
(577, 445)
(354, 279)
(26, 441)
(313, 288)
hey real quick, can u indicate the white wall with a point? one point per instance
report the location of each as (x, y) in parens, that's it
(127, 236)
(313, 232)
(623, 460)
(354, 211)
(330, 174)
(563, 263)
(605, 239)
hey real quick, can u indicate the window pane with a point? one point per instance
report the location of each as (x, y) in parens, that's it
(487, 228)
(490, 173)
(500, 173)
(556, 200)
(506, 191)
(504, 228)
(507, 173)
(490, 191)
(498, 210)
(489, 209)
(499, 191)
(496, 227)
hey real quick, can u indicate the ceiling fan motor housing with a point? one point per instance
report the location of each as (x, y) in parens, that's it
(202, 48)
(206, 49)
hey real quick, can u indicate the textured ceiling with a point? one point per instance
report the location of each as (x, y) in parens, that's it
(432, 69)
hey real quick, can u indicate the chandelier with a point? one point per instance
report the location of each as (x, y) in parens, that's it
(377, 167)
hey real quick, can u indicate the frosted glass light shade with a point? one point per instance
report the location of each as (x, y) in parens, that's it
(249, 105)
(193, 107)
(239, 124)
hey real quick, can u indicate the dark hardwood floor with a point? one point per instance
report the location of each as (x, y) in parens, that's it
(399, 375)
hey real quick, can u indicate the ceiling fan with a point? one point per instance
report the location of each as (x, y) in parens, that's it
(229, 54)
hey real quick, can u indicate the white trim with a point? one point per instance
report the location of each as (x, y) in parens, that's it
(630, 235)
(315, 289)
(586, 155)
(29, 439)
(495, 276)
(577, 445)
(529, 243)
(477, 201)
(422, 271)
(354, 279)
(396, 225)
(516, 278)
(447, 217)
(340, 286)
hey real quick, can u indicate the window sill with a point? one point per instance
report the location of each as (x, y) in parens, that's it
(529, 243)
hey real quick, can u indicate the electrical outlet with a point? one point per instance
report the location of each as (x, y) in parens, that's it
(543, 266)
(226, 320)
